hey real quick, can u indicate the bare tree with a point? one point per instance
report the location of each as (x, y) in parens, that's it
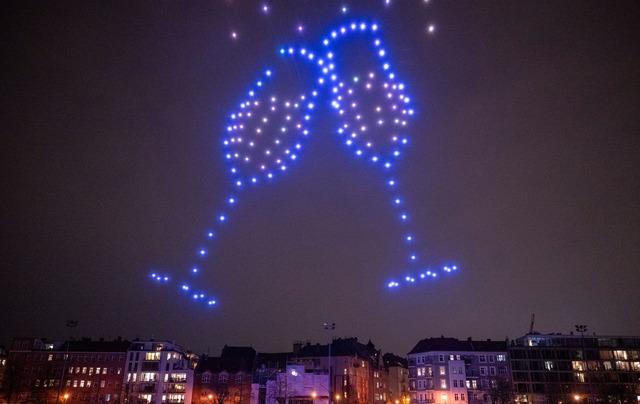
(221, 392)
(501, 391)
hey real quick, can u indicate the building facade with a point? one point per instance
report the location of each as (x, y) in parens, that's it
(297, 385)
(82, 371)
(158, 372)
(397, 369)
(550, 368)
(449, 371)
(225, 379)
(357, 370)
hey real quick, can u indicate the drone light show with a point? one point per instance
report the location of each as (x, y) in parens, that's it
(371, 112)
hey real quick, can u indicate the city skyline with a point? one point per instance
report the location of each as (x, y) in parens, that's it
(521, 169)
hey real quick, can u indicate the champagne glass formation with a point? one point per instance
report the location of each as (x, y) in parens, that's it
(267, 133)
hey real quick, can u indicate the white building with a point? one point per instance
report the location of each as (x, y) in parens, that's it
(295, 386)
(157, 372)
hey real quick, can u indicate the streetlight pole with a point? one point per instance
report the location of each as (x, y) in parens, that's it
(70, 324)
(330, 327)
(582, 328)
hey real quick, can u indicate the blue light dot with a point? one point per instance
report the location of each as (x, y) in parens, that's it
(222, 218)
(203, 252)
(232, 201)
(194, 270)
(210, 234)
(211, 302)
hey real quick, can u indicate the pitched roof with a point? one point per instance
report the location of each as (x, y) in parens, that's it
(340, 347)
(454, 345)
(390, 360)
(228, 364)
(87, 345)
(246, 352)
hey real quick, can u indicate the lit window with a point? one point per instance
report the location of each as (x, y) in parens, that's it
(443, 384)
(443, 371)
(152, 356)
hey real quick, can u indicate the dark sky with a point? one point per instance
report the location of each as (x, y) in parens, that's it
(523, 169)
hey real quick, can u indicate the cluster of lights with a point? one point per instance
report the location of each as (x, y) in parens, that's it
(267, 132)
(429, 274)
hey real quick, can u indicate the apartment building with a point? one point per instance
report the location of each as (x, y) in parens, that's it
(226, 378)
(451, 371)
(357, 371)
(158, 372)
(575, 368)
(82, 371)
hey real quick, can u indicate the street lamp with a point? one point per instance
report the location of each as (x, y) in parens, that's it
(313, 397)
(70, 324)
(330, 327)
(582, 328)
(444, 398)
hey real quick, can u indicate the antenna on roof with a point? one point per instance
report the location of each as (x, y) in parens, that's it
(533, 319)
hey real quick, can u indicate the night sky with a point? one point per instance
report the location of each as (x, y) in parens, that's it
(523, 168)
